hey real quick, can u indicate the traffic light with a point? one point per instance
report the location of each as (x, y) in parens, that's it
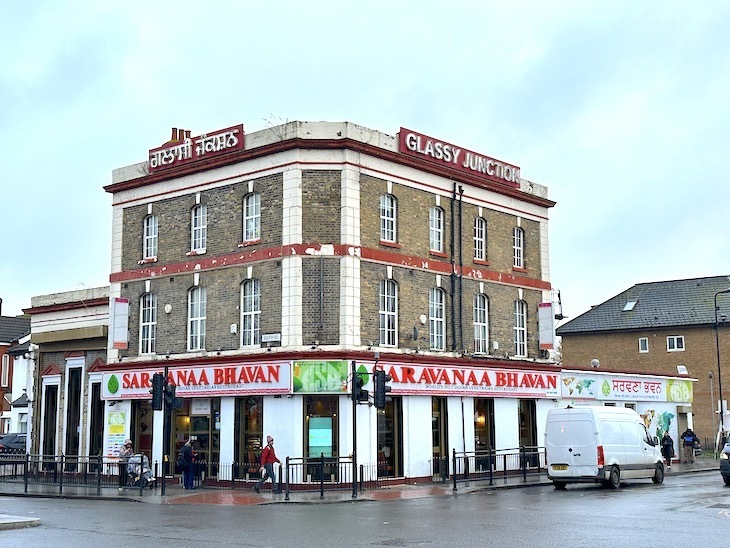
(169, 396)
(158, 387)
(358, 394)
(381, 378)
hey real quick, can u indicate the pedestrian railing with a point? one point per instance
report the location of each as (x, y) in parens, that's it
(491, 464)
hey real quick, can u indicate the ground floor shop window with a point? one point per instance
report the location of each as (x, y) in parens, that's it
(249, 429)
(439, 436)
(199, 420)
(483, 424)
(390, 439)
(321, 432)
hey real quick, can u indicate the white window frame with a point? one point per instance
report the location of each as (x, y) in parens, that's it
(436, 229)
(252, 217)
(199, 228)
(480, 239)
(643, 345)
(150, 237)
(250, 313)
(675, 343)
(196, 318)
(481, 324)
(388, 313)
(520, 329)
(388, 218)
(437, 319)
(5, 374)
(147, 323)
(518, 247)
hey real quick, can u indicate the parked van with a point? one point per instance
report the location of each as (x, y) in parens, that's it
(600, 444)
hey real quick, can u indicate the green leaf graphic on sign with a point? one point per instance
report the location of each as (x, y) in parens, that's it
(606, 388)
(113, 384)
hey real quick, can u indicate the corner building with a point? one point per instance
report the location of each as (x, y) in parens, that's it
(258, 269)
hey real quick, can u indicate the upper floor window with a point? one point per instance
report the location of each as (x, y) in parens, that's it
(388, 312)
(480, 239)
(149, 245)
(388, 218)
(5, 374)
(252, 217)
(147, 323)
(675, 343)
(437, 318)
(481, 324)
(518, 247)
(520, 329)
(643, 345)
(199, 228)
(196, 318)
(250, 313)
(436, 229)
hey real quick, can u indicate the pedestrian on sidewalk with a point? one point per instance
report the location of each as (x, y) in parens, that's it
(688, 446)
(124, 453)
(268, 458)
(668, 448)
(185, 462)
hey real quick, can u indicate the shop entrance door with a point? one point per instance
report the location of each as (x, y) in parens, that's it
(439, 437)
(390, 439)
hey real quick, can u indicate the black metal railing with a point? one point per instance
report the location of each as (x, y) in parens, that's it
(500, 463)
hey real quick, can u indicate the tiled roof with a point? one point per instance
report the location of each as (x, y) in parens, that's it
(656, 305)
(12, 328)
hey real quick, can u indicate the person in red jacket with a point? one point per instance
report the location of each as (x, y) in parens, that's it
(268, 458)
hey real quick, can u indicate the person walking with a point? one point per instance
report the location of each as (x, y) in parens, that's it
(268, 458)
(688, 446)
(124, 453)
(185, 462)
(668, 448)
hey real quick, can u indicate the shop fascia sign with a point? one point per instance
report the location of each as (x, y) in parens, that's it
(435, 151)
(471, 381)
(192, 382)
(626, 388)
(191, 149)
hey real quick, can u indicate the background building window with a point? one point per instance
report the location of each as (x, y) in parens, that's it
(150, 237)
(147, 323)
(643, 345)
(388, 307)
(199, 224)
(481, 325)
(675, 343)
(520, 329)
(518, 247)
(480, 239)
(437, 318)
(388, 213)
(252, 217)
(196, 318)
(436, 229)
(250, 313)
(5, 374)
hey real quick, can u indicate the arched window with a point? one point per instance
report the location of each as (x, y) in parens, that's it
(520, 329)
(250, 313)
(196, 318)
(147, 323)
(437, 318)
(149, 241)
(388, 218)
(388, 311)
(252, 217)
(199, 228)
(480, 239)
(481, 324)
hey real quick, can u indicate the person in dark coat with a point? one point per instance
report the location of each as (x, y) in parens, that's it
(187, 458)
(668, 448)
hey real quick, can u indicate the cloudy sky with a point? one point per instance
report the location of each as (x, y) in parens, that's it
(622, 109)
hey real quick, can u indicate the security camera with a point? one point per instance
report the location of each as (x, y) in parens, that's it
(595, 363)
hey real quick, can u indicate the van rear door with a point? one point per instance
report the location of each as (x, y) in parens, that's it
(570, 443)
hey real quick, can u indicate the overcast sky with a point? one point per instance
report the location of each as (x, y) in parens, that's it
(620, 108)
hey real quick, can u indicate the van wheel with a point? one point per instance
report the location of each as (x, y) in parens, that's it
(559, 485)
(614, 478)
(658, 474)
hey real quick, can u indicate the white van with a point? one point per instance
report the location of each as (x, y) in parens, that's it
(600, 444)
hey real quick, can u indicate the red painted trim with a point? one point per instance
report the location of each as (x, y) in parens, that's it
(326, 144)
(73, 354)
(66, 306)
(51, 369)
(339, 250)
(97, 364)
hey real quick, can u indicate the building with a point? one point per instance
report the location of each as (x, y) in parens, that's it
(662, 328)
(12, 329)
(258, 270)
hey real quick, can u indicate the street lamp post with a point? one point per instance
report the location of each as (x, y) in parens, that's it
(719, 370)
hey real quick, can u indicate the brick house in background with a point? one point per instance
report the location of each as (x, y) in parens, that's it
(12, 328)
(661, 328)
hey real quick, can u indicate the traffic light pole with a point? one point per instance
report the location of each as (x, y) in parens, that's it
(354, 432)
(166, 443)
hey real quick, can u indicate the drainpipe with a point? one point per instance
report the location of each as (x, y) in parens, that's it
(461, 267)
(453, 271)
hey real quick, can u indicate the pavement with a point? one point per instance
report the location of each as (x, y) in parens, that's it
(175, 495)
